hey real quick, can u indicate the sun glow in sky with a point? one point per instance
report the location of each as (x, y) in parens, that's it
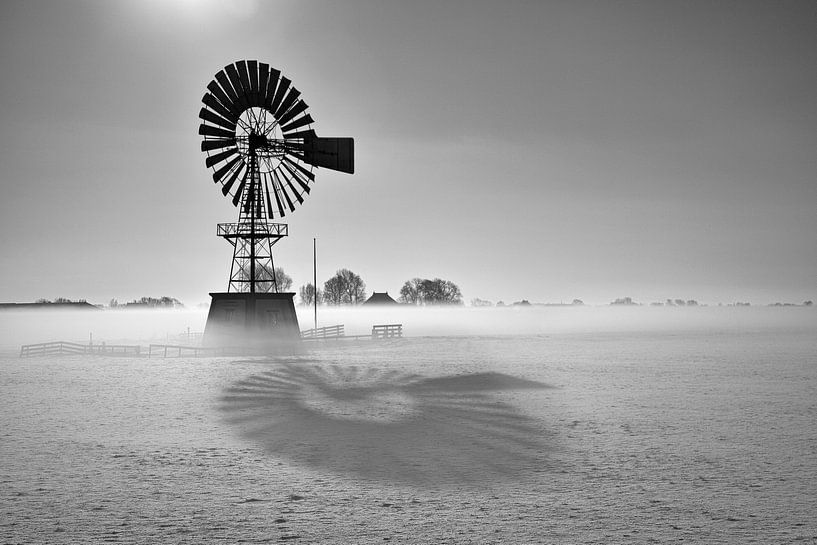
(545, 151)
(203, 10)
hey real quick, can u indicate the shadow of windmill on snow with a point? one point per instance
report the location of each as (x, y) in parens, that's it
(387, 425)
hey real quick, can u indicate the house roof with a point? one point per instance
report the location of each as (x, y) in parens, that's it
(380, 298)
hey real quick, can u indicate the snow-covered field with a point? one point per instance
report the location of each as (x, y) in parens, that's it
(550, 425)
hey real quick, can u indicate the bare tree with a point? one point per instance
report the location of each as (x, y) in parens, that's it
(355, 287)
(283, 280)
(333, 291)
(440, 292)
(422, 291)
(307, 294)
(410, 292)
(345, 287)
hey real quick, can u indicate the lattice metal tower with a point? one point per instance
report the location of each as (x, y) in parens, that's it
(253, 267)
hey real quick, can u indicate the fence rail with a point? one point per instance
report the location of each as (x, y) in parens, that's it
(186, 338)
(177, 350)
(329, 332)
(387, 331)
(66, 347)
(379, 331)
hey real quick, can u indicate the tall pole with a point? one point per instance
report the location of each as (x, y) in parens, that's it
(315, 279)
(251, 195)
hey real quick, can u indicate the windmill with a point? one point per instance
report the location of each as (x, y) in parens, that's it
(259, 142)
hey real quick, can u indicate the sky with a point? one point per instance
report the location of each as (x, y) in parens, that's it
(524, 150)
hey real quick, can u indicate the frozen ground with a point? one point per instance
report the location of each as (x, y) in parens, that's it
(614, 429)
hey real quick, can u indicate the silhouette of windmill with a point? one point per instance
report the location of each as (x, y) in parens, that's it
(260, 144)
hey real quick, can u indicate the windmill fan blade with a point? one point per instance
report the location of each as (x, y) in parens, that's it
(232, 74)
(207, 115)
(227, 87)
(297, 178)
(219, 94)
(229, 183)
(283, 85)
(301, 169)
(292, 187)
(287, 103)
(334, 153)
(270, 212)
(293, 112)
(220, 173)
(243, 75)
(275, 188)
(272, 87)
(210, 145)
(279, 177)
(212, 102)
(301, 135)
(240, 190)
(225, 101)
(209, 130)
(252, 68)
(263, 81)
(298, 123)
(219, 157)
(244, 78)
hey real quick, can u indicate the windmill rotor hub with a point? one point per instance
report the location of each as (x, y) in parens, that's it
(257, 142)
(257, 134)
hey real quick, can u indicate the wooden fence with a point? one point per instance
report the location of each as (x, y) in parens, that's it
(387, 331)
(329, 332)
(177, 351)
(66, 347)
(380, 331)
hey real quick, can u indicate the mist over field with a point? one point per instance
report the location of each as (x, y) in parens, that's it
(445, 321)
(34, 326)
(19, 327)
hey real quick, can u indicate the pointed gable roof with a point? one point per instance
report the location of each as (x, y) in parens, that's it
(380, 298)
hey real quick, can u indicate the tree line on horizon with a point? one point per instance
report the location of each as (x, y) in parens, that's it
(422, 291)
(148, 302)
(348, 288)
(58, 301)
